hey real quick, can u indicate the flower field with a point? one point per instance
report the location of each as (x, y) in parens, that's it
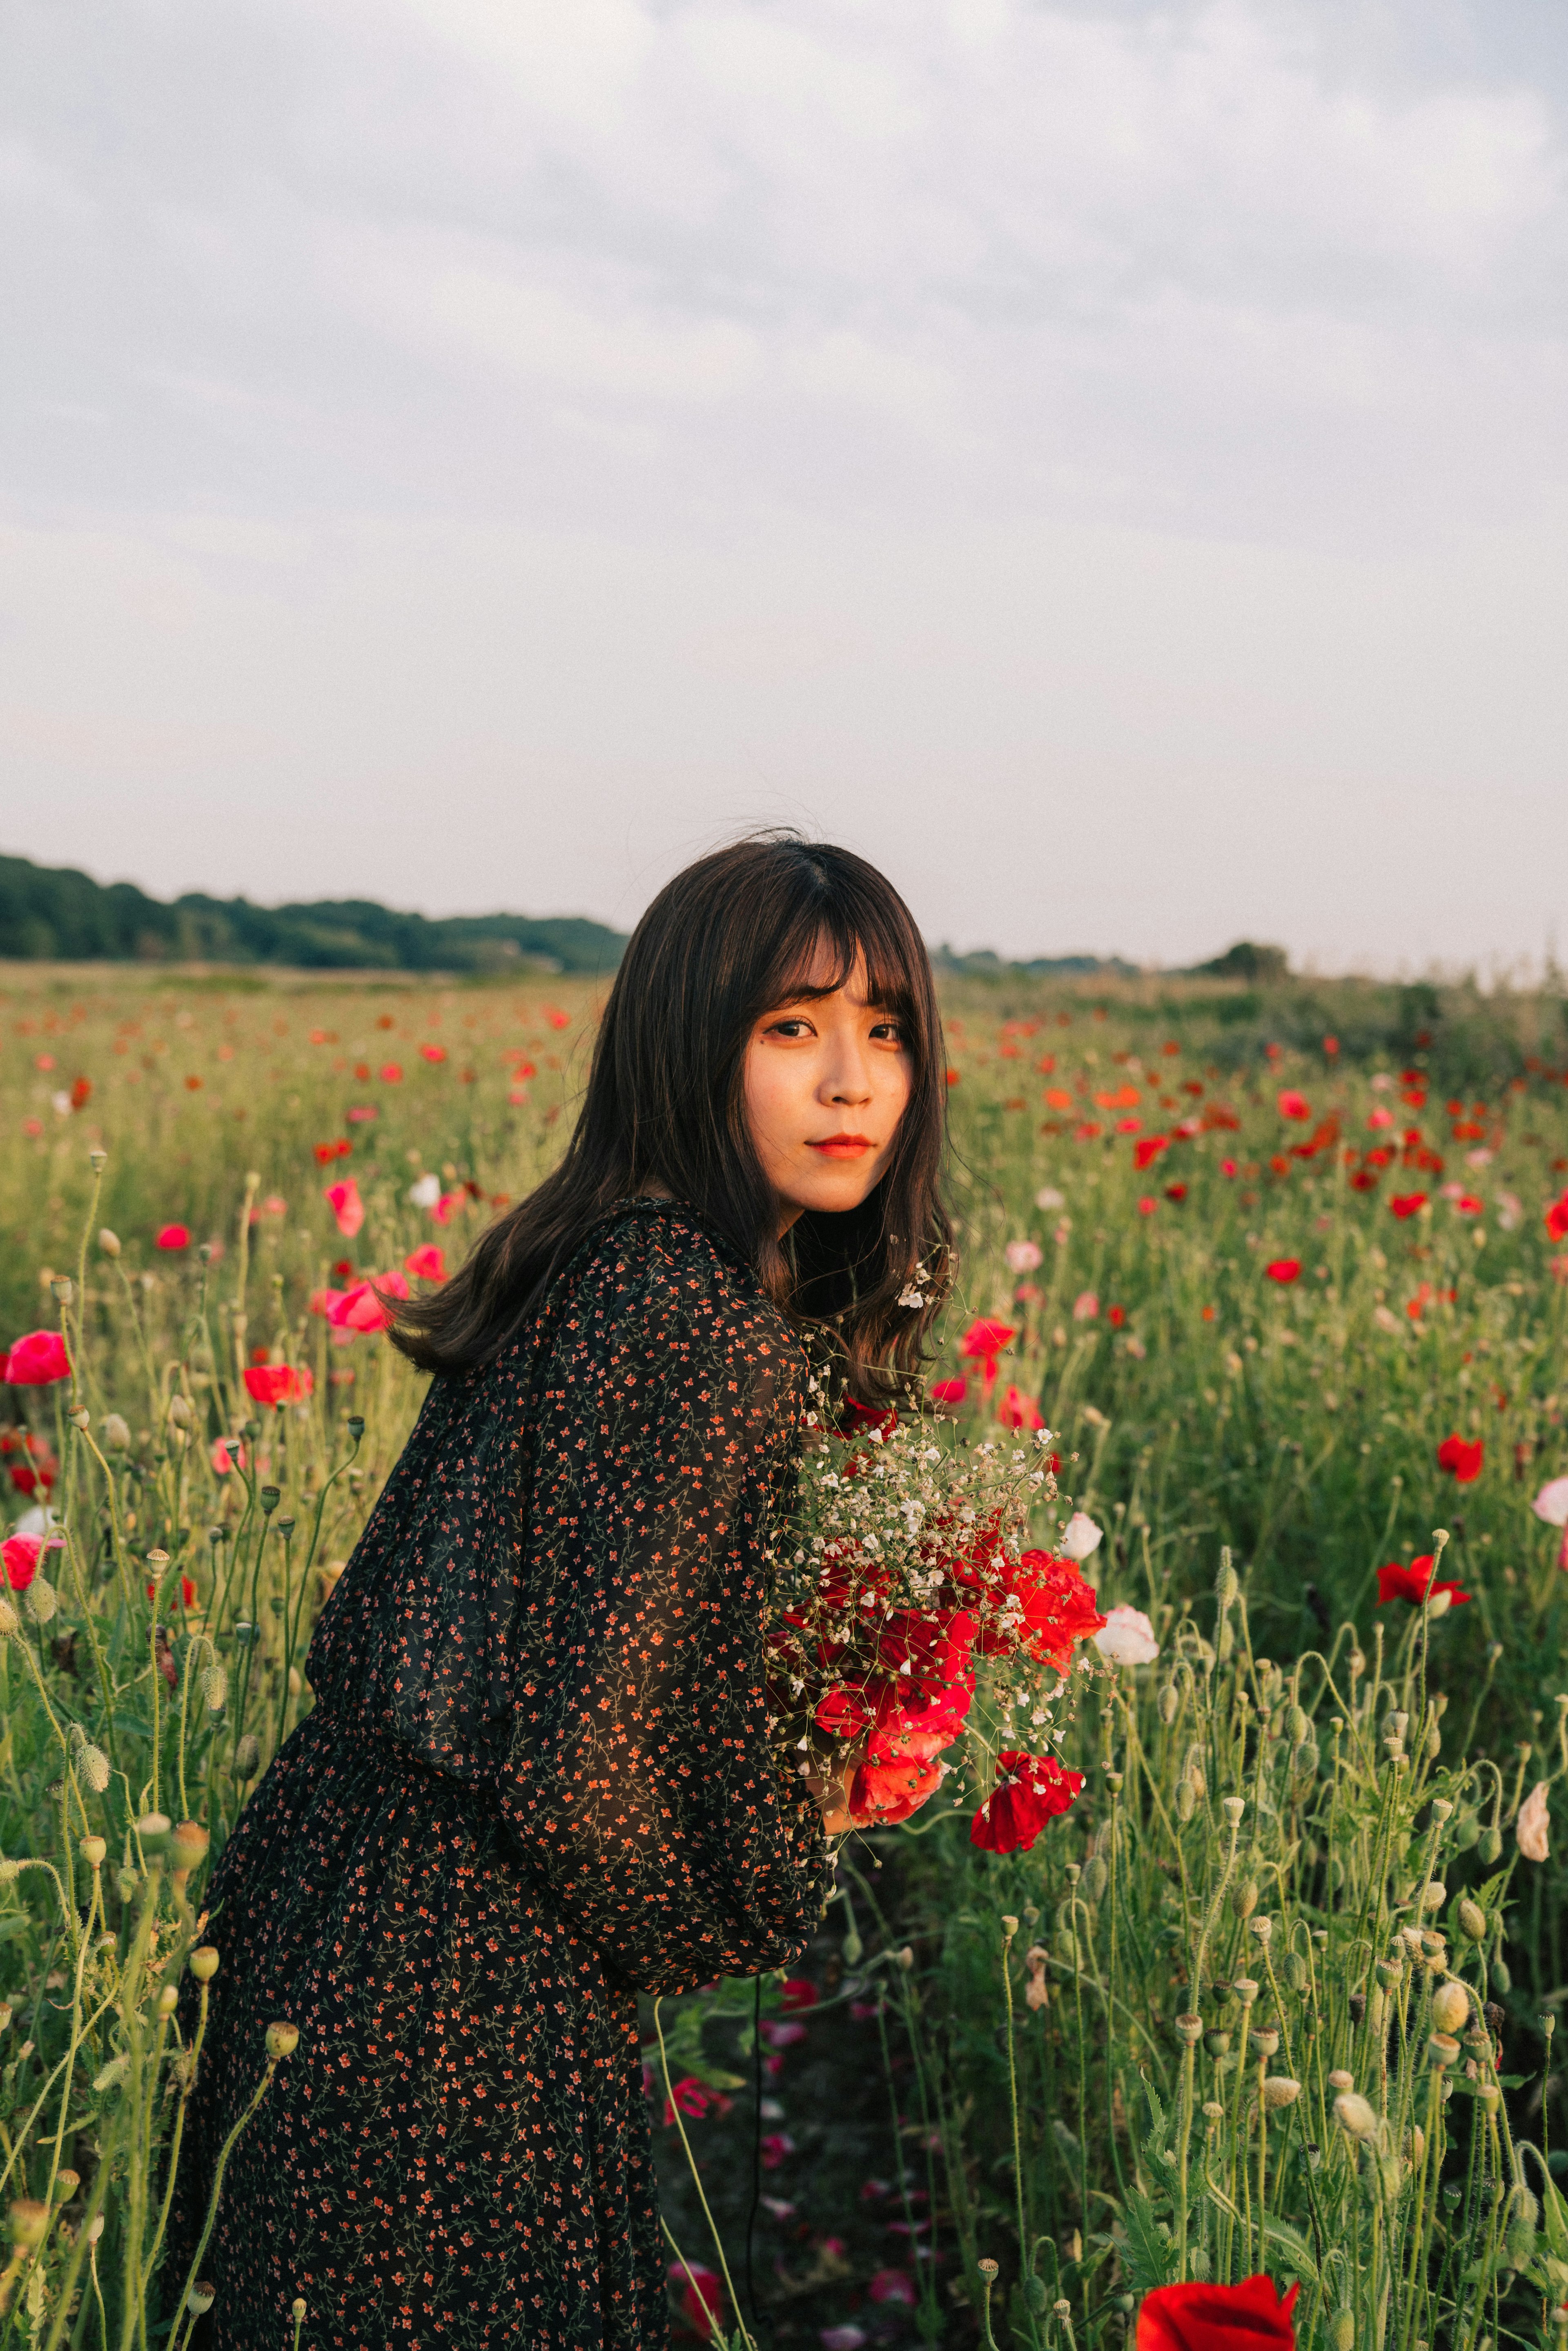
(1284, 1277)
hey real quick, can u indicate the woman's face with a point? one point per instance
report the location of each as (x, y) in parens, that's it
(826, 1078)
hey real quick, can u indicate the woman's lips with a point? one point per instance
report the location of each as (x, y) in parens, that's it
(843, 1146)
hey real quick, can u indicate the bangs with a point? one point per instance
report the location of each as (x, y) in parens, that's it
(849, 933)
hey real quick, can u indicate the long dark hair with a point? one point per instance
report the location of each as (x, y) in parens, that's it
(735, 934)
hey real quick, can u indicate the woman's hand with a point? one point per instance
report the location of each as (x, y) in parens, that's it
(832, 1793)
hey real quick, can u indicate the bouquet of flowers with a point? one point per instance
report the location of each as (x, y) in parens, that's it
(912, 1615)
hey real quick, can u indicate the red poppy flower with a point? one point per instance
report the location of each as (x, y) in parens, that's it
(1057, 1607)
(346, 1206)
(1462, 1457)
(1557, 1219)
(1294, 1105)
(1177, 1192)
(1413, 1583)
(187, 1591)
(949, 1391)
(1148, 1147)
(1116, 1316)
(391, 1073)
(1283, 1269)
(1363, 1179)
(36, 1361)
(278, 1383)
(695, 2099)
(702, 2297)
(1031, 1791)
(1251, 2316)
(1018, 1411)
(81, 1093)
(173, 1237)
(887, 1794)
(37, 1469)
(985, 1340)
(434, 1052)
(427, 1261)
(1408, 1204)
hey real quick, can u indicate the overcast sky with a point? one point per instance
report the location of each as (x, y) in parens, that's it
(1109, 462)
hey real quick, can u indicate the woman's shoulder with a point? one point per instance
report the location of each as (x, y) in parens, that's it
(656, 1273)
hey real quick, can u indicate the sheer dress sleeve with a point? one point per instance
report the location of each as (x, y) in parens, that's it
(639, 1782)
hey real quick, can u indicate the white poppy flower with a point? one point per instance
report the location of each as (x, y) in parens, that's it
(1127, 1638)
(426, 1191)
(1534, 1824)
(1081, 1536)
(1551, 1502)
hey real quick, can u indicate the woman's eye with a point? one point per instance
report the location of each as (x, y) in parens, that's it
(794, 1026)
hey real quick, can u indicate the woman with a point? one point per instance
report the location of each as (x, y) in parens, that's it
(536, 1780)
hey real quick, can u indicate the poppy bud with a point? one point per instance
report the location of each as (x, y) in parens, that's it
(9, 1620)
(215, 1689)
(29, 2224)
(1450, 2006)
(1279, 2090)
(1433, 1896)
(200, 2297)
(179, 1412)
(1489, 1845)
(1354, 2115)
(188, 1845)
(1096, 1877)
(1225, 1586)
(1170, 1699)
(1295, 1971)
(40, 1601)
(296, 2310)
(1472, 1920)
(204, 1962)
(81, 1418)
(116, 1433)
(1343, 2330)
(93, 1765)
(168, 2000)
(108, 1242)
(93, 1850)
(1187, 1801)
(282, 2040)
(247, 1757)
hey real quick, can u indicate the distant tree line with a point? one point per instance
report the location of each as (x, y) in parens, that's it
(53, 914)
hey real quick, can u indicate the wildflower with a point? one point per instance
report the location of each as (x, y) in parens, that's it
(893, 2286)
(1147, 1205)
(36, 1361)
(173, 1237)
(1531, 1826)
(1031, 1789)
(1557, 1219)
(702, 2295)
(1177, 1192)
(1080, 1537)
(775, 2147)
(21, 1555)
(1461, 1457)
(1127, 1638)
(1018, 1411)
(427, 1262)
(1023, 1256)
(227, 1454)
(848, 2337)
(1414, 1583)
(983, 1341)
(1251, 2316)
(425, 1191)
(695, 2099)
(949, 1391)
(278, 1383)
(1283, 1269)
(1148, 1148)
(1048, 1196)
(1294, 1105)
(1552, 1503)
(346, 1206)
(1085, 1307)
(1408, 1204)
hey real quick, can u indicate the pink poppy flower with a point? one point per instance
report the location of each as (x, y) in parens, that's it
(346, 1206)
(36, 1361)
(428, 1262)
(278, 1383)
(173, 1237)
(1018, 1411)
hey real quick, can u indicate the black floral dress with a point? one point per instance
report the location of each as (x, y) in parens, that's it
(535, 1783)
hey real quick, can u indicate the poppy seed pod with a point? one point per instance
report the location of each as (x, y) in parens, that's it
(1262, 1928)
(204, 1962)
(29, 2224)
(1010, 1925)
(1245, 1991)
(168, 2000)
(1266, 2040)
(93, 1850)
(282, 2040)
(1279, 2090)
(1233, 1807)
(154, 1831)
(1442, 2050)
(1450, 2006)
(157, 1565)
(1355, 2115)
(1472, 1920)
(116, 1433)
(200, 2297)
(67, 2182)
(1433, 1896)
